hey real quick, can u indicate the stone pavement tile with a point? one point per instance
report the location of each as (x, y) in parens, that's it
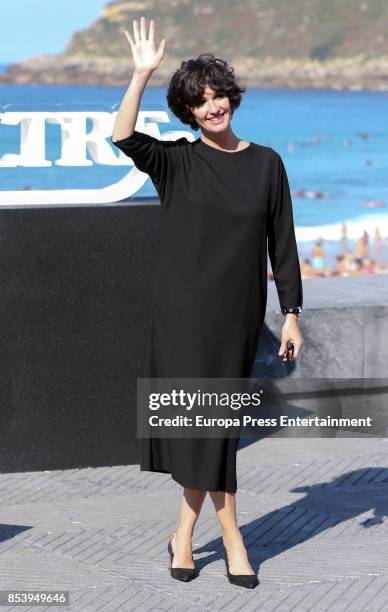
(56, 485)
(34, 568)
(314, 523)
(323, 472)
(99, 509)
(369, 593)
(354, 595)
(316, 561)
(273, 451)
(133, 597)
(359, 515)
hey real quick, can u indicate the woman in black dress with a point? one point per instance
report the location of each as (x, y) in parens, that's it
(222, 199)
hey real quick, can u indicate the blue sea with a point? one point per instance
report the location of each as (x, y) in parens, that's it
(335, 142)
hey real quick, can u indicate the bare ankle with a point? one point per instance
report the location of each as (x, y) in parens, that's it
(232, 538)
(184, 532)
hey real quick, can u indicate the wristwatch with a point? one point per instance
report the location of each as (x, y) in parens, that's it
(293, 309)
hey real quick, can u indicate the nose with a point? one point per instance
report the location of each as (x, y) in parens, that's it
(212, 107)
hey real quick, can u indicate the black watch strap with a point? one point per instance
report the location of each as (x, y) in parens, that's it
(293, 309)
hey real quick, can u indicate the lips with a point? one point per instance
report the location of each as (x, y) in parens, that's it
(217, 119)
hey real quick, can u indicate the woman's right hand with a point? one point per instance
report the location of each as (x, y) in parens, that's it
(145, 58)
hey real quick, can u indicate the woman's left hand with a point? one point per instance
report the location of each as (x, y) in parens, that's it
(290, 333)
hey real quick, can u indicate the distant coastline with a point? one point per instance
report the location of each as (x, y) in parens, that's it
(281, 45)
(357, 73)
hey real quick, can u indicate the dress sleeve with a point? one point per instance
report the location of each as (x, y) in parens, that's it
(149, 154)
(282, 247)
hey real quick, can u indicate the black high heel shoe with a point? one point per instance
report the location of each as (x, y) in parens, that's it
(250, 581)
(180, 573)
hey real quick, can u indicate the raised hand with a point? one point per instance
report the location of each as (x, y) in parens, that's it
(145, 58)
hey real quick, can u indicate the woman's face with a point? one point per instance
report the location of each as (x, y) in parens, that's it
(213, 114)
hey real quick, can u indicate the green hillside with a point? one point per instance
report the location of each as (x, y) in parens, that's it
(316, 29)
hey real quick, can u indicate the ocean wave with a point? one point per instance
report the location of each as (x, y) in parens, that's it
(354, 229)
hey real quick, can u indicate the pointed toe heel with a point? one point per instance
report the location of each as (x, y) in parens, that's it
(249, 581)
(185, 574)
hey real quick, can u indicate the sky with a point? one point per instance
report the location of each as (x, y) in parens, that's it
(33, 27)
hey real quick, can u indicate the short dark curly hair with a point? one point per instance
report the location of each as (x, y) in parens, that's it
(190, 80)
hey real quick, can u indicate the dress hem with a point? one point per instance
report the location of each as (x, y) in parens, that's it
(184, 484)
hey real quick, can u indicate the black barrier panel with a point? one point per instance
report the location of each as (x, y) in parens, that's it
(76, 285)
(74, 311)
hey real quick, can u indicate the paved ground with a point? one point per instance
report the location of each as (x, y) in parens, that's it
(313, 514)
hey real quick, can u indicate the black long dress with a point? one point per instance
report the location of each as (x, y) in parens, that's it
(210, 290)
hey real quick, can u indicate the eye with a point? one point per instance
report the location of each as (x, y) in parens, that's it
(218, 95)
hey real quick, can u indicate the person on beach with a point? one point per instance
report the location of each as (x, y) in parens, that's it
(318, 258)
(306, 268)
(340, 267)
(369, 266)
(361, 249)
(344, 238)
(222, 200)
(377, 241)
